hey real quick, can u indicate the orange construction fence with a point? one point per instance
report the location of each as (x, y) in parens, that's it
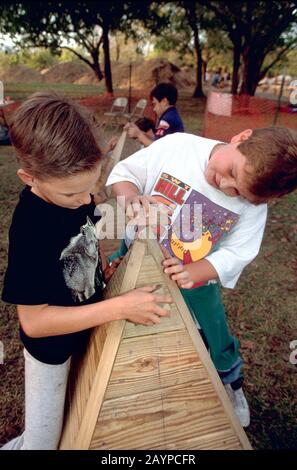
(226, 115)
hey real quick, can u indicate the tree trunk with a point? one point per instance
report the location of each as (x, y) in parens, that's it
(252, 63)
(193, 21)
(204, 69)
(107, 65)
(198, 92)
(118, 49)
(236, 65)
(97, 69)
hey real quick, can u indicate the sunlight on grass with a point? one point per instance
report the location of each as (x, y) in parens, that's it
(19, 91)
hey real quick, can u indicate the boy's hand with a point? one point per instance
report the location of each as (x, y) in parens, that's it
(142, 205)
(178, 272)
(137, 204)
(132, 130)
(111, 269)
(112, 143)
(142, 306)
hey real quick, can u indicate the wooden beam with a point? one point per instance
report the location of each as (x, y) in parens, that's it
(155, 251)
(109, 162)
(113, 337)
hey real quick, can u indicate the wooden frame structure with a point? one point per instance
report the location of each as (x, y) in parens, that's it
(108, 163)
(148, 387)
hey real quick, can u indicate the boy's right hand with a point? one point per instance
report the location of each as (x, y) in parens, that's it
(132, 129)
(142, 306)
(142, 205)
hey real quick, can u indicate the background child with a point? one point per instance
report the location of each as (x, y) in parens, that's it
(164, 97)
(231, 183)
(147, 126)
(54, 273)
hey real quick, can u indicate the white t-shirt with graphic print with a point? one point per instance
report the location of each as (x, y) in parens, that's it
(172, 169)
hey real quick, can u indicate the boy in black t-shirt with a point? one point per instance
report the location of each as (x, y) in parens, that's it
(55, 273)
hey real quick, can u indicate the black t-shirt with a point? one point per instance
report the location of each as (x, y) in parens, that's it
(53, 259)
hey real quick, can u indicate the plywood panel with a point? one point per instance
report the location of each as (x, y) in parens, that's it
(109, 162)
(155, 250)
(172, 323)
(80, 439)
(162, 419)
(221, 440)
(149, 273)
(114, 287)
(133, 422)
(152, 362)
(150, 387)
(83, 370)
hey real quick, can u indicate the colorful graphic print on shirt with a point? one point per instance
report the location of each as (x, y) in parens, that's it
(215, 223)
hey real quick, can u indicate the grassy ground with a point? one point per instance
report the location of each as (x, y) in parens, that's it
(191, 110)
(19, 91)
(261, 312)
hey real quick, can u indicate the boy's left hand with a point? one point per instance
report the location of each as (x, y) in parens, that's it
(178, 272)
(111, 269)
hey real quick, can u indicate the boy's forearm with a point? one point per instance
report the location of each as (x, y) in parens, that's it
(144, 139)
(125, 188)
(202, 271)
(51, 320)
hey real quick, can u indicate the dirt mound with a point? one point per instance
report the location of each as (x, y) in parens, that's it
(66, 72)
(88, 78)
(145, 74)
(20, 74)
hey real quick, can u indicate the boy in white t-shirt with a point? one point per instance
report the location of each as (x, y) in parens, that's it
(231, 183)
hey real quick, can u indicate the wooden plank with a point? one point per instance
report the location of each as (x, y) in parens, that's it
(152, 362)
(162, 419)
(152, 390)
(109, 162)
(82, 373)
(114, 286)
(222, 440)
(156, 252)
(172, 323)
(113, 338)
(149, 272)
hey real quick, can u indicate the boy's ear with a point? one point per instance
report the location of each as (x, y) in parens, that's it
(25, 177)
(164, 101)
(244, 135)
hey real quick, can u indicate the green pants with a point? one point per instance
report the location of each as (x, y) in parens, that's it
(205, 305)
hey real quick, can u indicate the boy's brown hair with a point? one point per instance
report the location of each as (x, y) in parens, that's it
(54, 137)
(272, 161)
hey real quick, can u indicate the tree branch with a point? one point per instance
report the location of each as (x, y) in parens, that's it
(88, 62)
(285, 49)
(84, 40)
